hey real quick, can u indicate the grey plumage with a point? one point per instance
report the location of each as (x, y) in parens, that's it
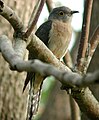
(55, 34)
(43, 32)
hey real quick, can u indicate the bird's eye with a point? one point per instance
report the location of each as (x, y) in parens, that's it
(61, 13)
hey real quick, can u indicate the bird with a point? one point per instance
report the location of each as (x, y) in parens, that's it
(56, 34)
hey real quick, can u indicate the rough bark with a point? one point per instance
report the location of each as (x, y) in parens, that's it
(12, 101)
(94, 65)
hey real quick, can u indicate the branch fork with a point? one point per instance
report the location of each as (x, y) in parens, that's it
(14, 55)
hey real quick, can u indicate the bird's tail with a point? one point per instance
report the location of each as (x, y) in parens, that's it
(33, 102)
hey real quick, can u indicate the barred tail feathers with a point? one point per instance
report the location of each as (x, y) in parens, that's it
(35, 103)
(34, 98)
(37, 84)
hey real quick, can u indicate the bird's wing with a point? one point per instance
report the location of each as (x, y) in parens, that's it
(43, 32)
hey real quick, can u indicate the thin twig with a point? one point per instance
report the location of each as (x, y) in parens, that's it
(75, 112)
(33, 23)
(33, 12)
(84, 36)
(92, 46)
(68, 60)
(94, 41)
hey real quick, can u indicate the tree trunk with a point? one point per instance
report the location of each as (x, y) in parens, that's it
(12, 101)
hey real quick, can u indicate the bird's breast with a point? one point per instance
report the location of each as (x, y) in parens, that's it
(59, 38)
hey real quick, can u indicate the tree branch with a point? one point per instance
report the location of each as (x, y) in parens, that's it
(34, 21)
(92, 47)
(94, 41)
(11, 16)
(43, 53)
(84, 36)
(68, 60)
(75, 112)
(50, 5)
(14, 56)
(87, 103)
(65, 76)
(33, 13)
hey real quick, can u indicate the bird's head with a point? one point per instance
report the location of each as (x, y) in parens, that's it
(61, 13)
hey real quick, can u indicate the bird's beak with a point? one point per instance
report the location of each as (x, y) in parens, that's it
(72, 12)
